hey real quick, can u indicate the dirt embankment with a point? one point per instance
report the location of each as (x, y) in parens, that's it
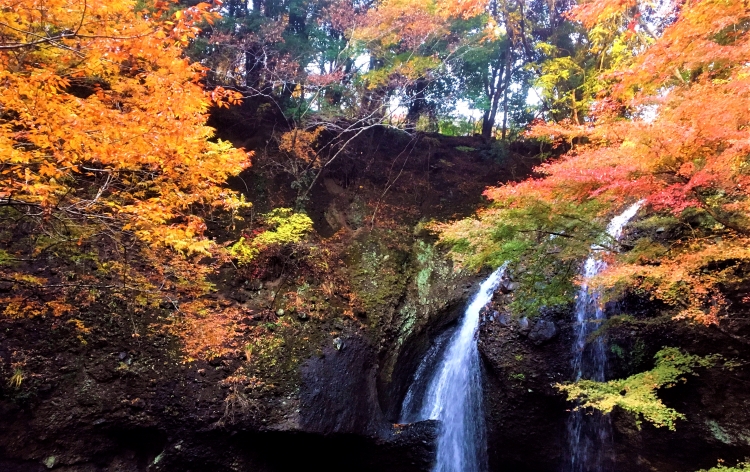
(323, 355)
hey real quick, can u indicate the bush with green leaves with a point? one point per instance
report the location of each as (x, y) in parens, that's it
(542, 244)
(637, 394)
(285, 227)
(740, 467)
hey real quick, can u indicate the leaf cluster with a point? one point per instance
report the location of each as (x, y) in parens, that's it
(741, 466)
(285, 227)
(637, 394)
(137, 137)
(107, 166)
(542, 242)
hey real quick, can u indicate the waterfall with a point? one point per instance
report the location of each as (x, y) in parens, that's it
(448, 387)
(589, 435)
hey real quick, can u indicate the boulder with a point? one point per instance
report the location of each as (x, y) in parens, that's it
(543, 331)
(504, 319)
(524, 326)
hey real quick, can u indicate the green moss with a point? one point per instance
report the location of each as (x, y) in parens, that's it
(617, 350)
(425, 259)
(6, 258)
(718, 432)
(425, 252)
(376, 269)
(423, 283)
(409, 319)
(357, 212)
(637, 393)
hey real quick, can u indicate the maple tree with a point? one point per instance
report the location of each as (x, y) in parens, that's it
(101, 91)
(106, 156)
(672, 131)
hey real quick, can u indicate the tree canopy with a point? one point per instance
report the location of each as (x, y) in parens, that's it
(107, 163)
(668, 126)
(101, 93)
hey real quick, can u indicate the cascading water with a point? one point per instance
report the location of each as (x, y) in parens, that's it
(451, 391)
(589, 434)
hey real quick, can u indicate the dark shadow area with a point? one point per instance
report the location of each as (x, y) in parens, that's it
(406, 450)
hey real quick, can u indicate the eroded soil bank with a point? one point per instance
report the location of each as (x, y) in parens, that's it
(322, 387)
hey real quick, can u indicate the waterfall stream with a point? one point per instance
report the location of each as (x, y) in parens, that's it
(448, 387)
(589, 434)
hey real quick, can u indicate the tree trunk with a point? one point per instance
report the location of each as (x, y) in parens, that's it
(508, 68)
(494, 92)
(418, 104)
(488, 122)
(491, 114)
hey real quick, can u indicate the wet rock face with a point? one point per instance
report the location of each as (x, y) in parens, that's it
(525, 414)
(433, 298)
(543, 331)
(338, 392)
(325, 398)
(121, 405)
(340, 427)
(715, 401)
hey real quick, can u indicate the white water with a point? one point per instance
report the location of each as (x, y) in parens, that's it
(589, 435)
(453, 394)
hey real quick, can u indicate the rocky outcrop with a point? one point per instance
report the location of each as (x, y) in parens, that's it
(123, 403)
(338, 392)
(543, 331)
(327, 386)
(527, 415)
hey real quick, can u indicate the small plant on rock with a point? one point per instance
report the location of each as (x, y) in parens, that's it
(285, 227)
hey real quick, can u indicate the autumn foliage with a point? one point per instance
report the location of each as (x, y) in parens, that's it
(671, 130)
(106, 162)
(100, 91)
(105, 154)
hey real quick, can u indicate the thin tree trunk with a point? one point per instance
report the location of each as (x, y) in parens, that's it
(505, 94)
(418, 103)
(490, 115)
(487, 123)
